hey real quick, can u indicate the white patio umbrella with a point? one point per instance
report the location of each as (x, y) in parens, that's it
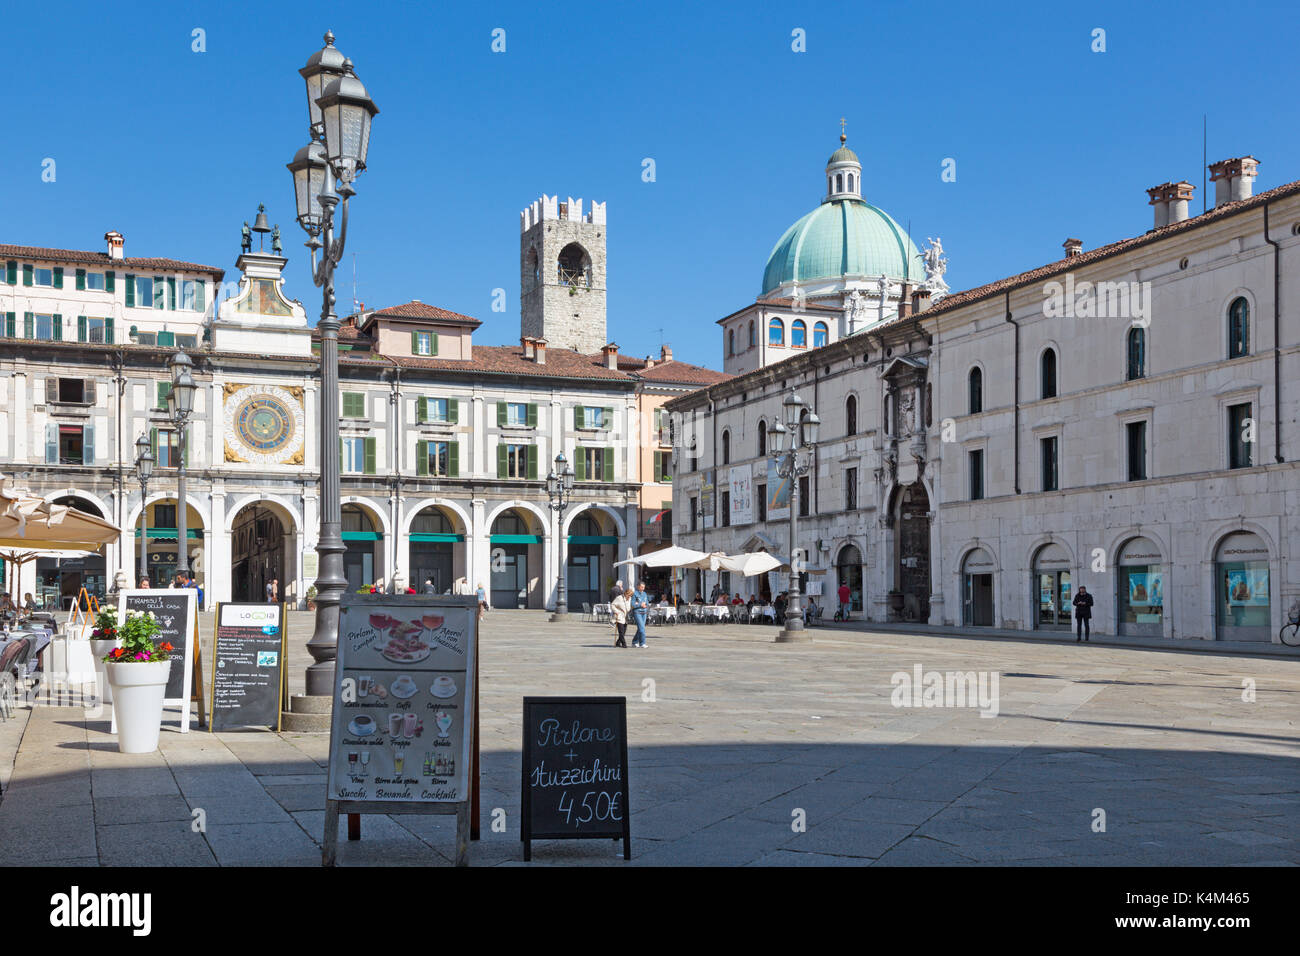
(748, 565)
(670, 557)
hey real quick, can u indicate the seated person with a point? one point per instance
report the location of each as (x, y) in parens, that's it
(29, 603)
(812, 611)
(8, 611)
(736, 600)
(722, 599)
(698, 599)
(780, 604)
(751, 602)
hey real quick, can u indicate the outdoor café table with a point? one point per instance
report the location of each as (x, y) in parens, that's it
(603, 612)
(766, 610)
(662, 613)
(717, 611)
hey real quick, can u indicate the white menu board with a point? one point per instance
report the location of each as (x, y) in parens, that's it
(403, 711)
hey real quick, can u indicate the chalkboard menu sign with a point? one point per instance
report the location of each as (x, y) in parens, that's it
(176, 610)
(575, 770)
(248, 666)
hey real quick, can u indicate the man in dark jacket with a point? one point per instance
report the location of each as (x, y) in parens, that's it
(1083, 615)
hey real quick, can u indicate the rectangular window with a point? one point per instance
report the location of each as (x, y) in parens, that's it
(663, 467)
(146, 338)
(353, 459)
(95, 330)
(432, 409)
(187, 341)
(593, 463)
(43, 330)
(439, 459)
(850, 489)
(43, 277)
(661, 426)
(516, 414)
(976, 459)
(191, 293)
(164, 516)
(695, 514)
(423, 343)
(1048, 448)
(70, 445)
(804, 496)
(517, 461)
(167, 452)
(1241, 436)
(760, 495)
(726, 509)
(593, 417)
(1136, 435)
(72, 391)
(95, 281)
(143, 292)
(354, 405)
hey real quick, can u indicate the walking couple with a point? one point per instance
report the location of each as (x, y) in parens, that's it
(634, 603)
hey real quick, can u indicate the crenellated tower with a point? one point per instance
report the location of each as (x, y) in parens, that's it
(562, 274)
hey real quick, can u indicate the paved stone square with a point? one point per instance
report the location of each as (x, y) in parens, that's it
(743, 740)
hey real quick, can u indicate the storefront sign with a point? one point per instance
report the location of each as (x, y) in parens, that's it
(248, 666)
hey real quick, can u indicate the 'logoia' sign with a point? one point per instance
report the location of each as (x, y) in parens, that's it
(248, 670)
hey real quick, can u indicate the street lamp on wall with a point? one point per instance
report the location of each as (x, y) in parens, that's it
(339, 113)
(793, 443)
(559, 489)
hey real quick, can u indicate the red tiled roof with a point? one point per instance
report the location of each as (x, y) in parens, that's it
(102, 260)
(673, 372)
(506, 360)
(419, 310)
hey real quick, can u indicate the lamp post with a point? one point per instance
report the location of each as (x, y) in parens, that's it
(180, 403)
(143, 471)
(801, 426)
(559, 489)
(339, 112)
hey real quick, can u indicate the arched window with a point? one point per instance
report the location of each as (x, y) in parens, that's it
(851, 416)
(821, 335)
(839, 182)
(752, 341)
(850, 182)
(976, 391)
(573, 266)
(1238, 328)
(830, 185)
(1048, 376)
(762, 438)
(534, 266)
(798, 334)
(1137, 352)
(776, 332)
(731, 341)
(726, 447)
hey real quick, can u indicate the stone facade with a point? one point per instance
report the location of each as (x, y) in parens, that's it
(562, 274)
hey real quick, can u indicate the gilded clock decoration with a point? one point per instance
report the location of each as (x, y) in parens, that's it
(264, 425)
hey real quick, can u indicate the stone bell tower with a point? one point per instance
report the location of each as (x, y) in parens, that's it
(562, 274)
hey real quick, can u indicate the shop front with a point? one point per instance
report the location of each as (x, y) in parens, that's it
(1243, 601)
(59, 581)
(848, 570)
(1140, 589)
(977, 589)
(1050, 582)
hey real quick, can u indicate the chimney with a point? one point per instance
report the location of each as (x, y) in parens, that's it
(610, 352)
(539, 351)
(665, 353)
(1072, 247)
(920, 300)
(905, 301)
(1232, 179)
(115, 244)
(527, 343)
(1178, 196)
(1160, 200)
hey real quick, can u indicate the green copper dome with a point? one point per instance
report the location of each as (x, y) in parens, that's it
(846, 237)
(843, 155)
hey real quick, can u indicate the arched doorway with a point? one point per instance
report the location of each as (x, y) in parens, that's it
(1052, 588)
(912, 544)
(60, 580)
(1243, 608)
(977, 589)
(1140, 589)
(516, 558)
(436, 550)
(848, 568)
(258, 553)
(363, 559)
(161, 530)
(591, 545)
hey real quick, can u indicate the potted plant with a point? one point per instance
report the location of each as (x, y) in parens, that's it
(137, 673)
(102, 641)
(311, 598)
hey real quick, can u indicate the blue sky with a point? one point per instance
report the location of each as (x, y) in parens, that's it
(176, 148)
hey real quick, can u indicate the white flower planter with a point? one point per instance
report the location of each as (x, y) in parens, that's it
(100, 650)
(138, 691)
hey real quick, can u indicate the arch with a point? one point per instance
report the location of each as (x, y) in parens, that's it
(1122, 537)
(731, 341)
(444, 503)
(1239, 313)
(1047, 540)
(1048, 373)
(533, 509)
(975, 390)
(1135, 353)
(752, 339)
(612, 513)
(726, 446)
(762, 438)
(821, 335)
(257, 554)
(205, 514)
(851, 415)
(798, 334)
(573, 266)
(775, 331)
(1215, 538)
(376, 511)
(99, 503)
(282, 509)
(971, 546)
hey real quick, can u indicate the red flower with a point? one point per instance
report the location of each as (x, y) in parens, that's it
(118, 651)
(166, 646)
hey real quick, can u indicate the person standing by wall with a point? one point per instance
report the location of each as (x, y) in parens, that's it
(640, 605)
(619, 608)
(1083, 615)
(846, 599)
(272, 590)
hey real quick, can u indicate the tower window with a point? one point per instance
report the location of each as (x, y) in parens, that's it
(573, 268)
(731, 341)
(762, 438)
(976, 399)
(751, 333)
(839, 182)
(850, 182)
(1048, 374)
(776, 332)
(1137, 352)
(851, 416)
(726, 447)
(1238, 329)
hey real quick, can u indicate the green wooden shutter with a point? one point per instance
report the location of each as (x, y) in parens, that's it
(9, 325)
(501, 414)
(185, 452)
(501, 460)
(81, 328)
(421, 457)
(609, 464)
(167, 338)
(164, 388)
(580, 462)
(607, 418)
(415, 343)
(27, 273)
(29, 323)
(88, 445)
(659, 466)
(453, 459)
(422, 409)
(108, 330)
(130, 290)
(58, 328)
(11, 272)
(81, 280)
(58, 277)
(453, 410)
(171, 293)
(153, 445)
(370, 456)
(577, 416)
(110, 281)
(434, 345)
(532, 415)
(532, 462)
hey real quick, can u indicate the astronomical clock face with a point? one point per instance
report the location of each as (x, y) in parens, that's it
(264, 425)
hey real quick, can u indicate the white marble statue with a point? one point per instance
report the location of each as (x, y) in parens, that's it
(936, 264)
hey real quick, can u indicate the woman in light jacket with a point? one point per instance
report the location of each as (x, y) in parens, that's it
(621, 606)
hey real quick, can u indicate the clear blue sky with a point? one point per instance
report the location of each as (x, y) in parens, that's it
(175, 149)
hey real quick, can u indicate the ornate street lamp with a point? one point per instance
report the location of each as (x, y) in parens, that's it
(180, 403)
(559, 489)
(339, 112)
(143, 471)
(800, 427)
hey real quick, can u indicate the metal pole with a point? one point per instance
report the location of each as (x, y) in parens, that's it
(144, 531)
(182, 509)
(793, 632)
(561, 598)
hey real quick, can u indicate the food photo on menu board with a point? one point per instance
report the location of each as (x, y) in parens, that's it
(400, 732)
